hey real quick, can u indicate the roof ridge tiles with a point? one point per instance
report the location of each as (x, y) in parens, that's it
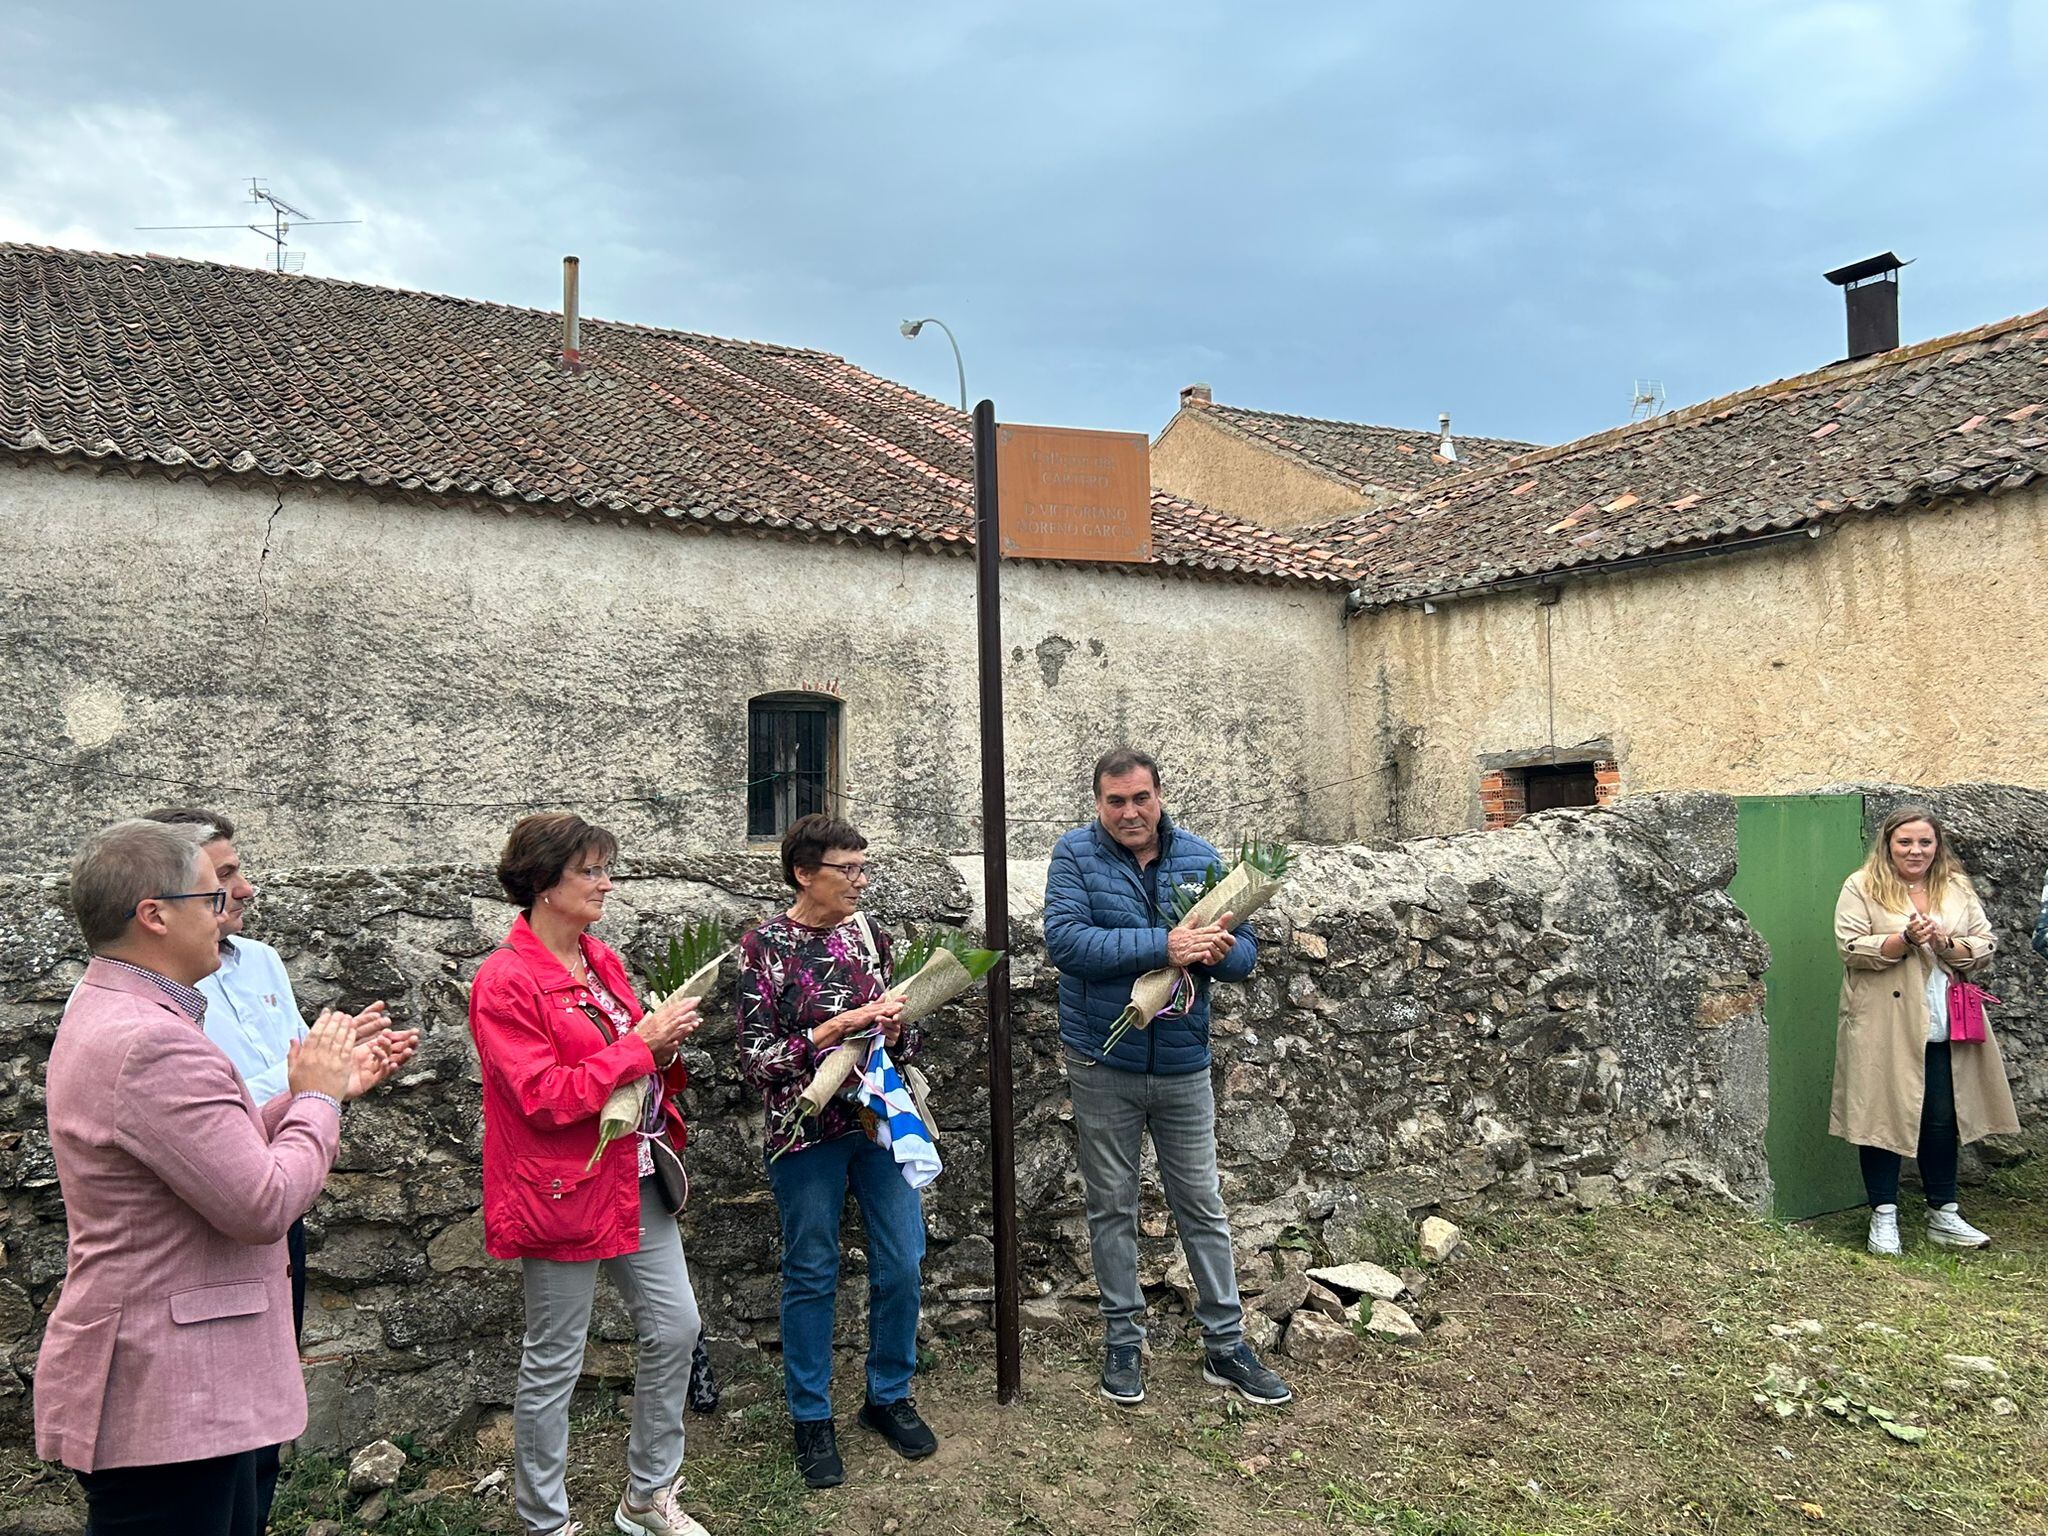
(1364, 426)
(1812, 379)
(1793, 453)
(308, 278)
(188, 367)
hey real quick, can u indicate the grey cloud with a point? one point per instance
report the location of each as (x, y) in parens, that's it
(1503, 210)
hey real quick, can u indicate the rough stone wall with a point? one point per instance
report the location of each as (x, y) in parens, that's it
(1568, 1007)
(1196, 458)
(1910, 648)
(378, 664)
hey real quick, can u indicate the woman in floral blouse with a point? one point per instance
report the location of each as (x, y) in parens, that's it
(809, 979)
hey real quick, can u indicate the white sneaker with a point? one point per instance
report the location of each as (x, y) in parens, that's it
(1884, 1231)
(1946, 1226)
(664, 1517)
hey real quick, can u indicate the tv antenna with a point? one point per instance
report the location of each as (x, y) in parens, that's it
(282, 217)
(1647, 401)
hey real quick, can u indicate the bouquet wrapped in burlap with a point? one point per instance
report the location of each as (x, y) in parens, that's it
(690, 969)
(936, 968)
(1254, 879)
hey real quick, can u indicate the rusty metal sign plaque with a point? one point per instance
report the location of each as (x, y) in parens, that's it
(1069, 494)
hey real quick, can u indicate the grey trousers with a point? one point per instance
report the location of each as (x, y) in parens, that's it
(655, 1285)
(1112, 1112)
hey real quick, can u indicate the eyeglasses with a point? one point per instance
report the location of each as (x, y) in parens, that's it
(218, 898)
(856, 871)
(594, 872)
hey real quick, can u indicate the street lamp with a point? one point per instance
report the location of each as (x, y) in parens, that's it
(910, 328)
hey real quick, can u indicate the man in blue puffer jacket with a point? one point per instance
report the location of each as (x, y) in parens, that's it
(1108, 920)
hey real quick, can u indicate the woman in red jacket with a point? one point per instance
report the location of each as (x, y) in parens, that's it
(558, 1028)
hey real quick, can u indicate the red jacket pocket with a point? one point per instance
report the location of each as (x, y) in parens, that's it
(555, 1201)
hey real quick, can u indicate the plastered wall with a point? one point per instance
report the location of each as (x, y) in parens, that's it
(348, 678)
(1910, 648)
(1197, 459)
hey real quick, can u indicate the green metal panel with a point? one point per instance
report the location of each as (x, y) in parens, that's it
(1793, 853)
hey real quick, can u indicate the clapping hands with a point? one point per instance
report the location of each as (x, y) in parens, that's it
(1921, 929)
(379, 1050)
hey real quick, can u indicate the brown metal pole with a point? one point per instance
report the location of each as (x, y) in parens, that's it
(995, 865)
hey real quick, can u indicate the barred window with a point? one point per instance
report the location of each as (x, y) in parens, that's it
(792, 760)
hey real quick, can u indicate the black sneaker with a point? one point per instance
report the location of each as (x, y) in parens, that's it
(899, 1424)
(1241, 1369)
(817, 1453)
(1123, 1375)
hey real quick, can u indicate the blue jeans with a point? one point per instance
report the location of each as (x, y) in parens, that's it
(1939, 1140)
(810, 1193)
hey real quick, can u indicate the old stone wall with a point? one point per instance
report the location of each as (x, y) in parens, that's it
(1569, 1007)
(370, 681)
(1908, 648)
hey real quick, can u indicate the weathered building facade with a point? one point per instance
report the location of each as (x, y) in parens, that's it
(376, 679)
(1832, 578)
(1909, 646)
(383, 568)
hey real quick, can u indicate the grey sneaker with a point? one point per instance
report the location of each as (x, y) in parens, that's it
(1123, 1375)
(1241, 1369)
(1945, 1225)
(1884, 1231)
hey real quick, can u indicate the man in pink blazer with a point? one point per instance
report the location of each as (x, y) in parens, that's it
(169, 1359)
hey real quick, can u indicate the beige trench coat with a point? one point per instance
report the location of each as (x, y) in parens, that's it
(1881, 1039)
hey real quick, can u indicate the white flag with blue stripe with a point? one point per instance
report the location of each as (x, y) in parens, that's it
(898, 1126)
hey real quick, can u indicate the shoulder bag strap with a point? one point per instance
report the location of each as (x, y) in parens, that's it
(867, 940)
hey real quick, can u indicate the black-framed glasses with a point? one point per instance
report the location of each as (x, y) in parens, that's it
(218, 897)
(859, 869)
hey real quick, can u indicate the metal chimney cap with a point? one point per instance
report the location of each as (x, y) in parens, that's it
(1871, 266)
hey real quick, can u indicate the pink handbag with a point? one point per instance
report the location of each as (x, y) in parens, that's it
(1966, 1001)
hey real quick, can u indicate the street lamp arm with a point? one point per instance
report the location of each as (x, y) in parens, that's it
(910, 328)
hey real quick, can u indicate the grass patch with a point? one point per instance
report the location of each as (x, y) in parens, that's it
(1605, 1377)
(429, 1499)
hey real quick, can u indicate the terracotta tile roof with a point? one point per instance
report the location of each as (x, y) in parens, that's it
(1956, 416)
(1366, 457)
(200, 367)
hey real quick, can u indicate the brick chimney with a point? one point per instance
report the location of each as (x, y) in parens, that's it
(1194, 397)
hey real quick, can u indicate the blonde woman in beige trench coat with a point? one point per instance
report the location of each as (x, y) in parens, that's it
(1907, 922)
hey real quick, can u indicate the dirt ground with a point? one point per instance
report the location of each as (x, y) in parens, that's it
(1648, 1369)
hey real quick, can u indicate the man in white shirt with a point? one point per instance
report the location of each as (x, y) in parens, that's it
(252, 1015)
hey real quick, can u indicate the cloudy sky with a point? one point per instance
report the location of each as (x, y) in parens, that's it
(1509, 211)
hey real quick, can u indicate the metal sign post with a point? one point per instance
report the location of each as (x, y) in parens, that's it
(1074, 495)
(995, 865)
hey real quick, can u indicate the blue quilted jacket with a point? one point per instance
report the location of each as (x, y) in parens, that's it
(1105, 926)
